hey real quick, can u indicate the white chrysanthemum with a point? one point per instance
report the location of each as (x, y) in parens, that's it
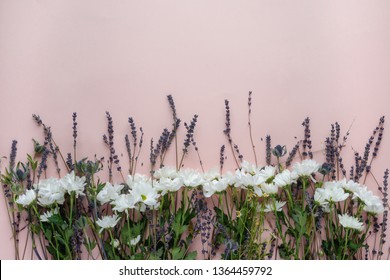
(269, 188)
(165, 172)
(137, 178)
(374, 205)
(50, 191)
(245, 180)
(211, 174)
(229, 178)
(258, 191)
(123, 202)
(350, 186)
(135, 241)
(214, 186)
(45, 216)
(72, 183)
(330, 193)
(107, 222)
(109, 193)
(191, 178)
(285, 178)
(267, 173)
(27, 198)
(306, 168)
(145, 193)
(274, 206)
(350, 222)
(166, 184)
(249, 167)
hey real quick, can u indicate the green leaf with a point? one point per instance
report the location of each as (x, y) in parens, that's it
(56, 219)
(48, 234)
(178, 253)
(191, 255)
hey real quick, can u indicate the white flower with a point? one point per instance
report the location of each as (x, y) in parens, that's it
(258, 191)
(107, 222)
(165, 172)
(109, 193)
(306, 168)
(137, 178)
(267, 173)
(269, 188)
(274, 206)
(372, 203)
(191, 178)
(229, 178)
(72, 183)
(115, 243)
(374, 208)
(50, 191)
(350, 186)
(285, 178)
(145, 193)
(123, 202)
(135, 241)
(212, 174)
(27, 198)
(166, 184)
(350, 222)
(214, 186)
(249, 167)
(45, 216)
(331, 192)
(243, 179)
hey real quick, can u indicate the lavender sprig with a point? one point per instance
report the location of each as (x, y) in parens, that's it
(227, 130)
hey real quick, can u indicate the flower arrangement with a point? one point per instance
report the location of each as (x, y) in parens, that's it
(296, 208)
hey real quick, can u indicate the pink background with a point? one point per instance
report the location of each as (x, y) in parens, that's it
(329, 60)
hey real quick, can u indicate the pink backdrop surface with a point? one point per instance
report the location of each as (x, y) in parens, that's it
(328, 60)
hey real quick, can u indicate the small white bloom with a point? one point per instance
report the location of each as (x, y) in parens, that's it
(306, 168)
(350, 186)
(258, 191)
(269, 188)
(267, 173)
(50, 191)
(45, 216)
(214, 186)
(274, 206)
(245, 180)
(249, 167)
(285, 178)
(72, 183)
(191, 178)
(373, 205)
(330, 193)
(229, 178)
(109, 193)
(350, 222)
(145, 193)
(135, 241)
(115, 243)
(212, 174)
(107, 222)
(27, 198)
(123, 202)
(166, 184)
(137, 178)
(165, 172)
